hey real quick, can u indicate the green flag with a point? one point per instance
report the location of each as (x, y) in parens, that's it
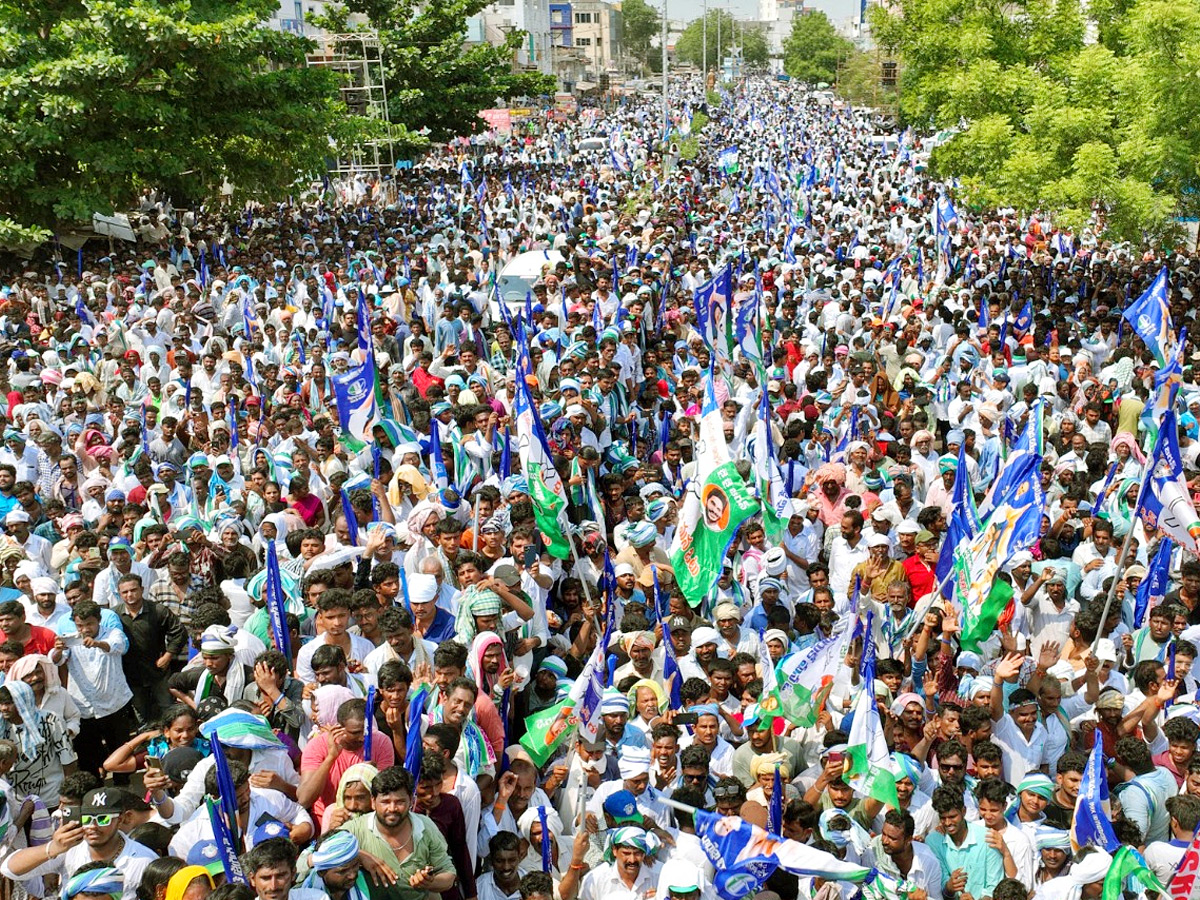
(546, 729)
(982, 622)
(1127, 863)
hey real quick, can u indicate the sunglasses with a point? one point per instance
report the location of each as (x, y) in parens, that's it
(99, 821)
(725, 793)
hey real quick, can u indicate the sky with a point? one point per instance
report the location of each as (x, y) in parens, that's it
(748, 9)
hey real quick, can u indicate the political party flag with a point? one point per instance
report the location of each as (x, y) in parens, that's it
(803, 681)
(439, 476)
(775, 810)
(868, 763)
(963, 524)
(225, 844)
(1092, 823)
(226, 791)
(1184, 879)
(745, 856)
(1025, 451)
(767, 476)
(369, 719)
(1153, 588)
(727, 160)
(1166, 501)
(545, 848)
(1014, 525)
(671, 674)
(414, 748)
(588, 691)
(546, 488)
(354, 393)
(1150, 316)
(351, 519)
(546, 730)
(276, 604)
(1024, 320)
(715, 503)
(1129, 863)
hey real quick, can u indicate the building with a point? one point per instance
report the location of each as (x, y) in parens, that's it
(530, 16)
(292, 16)
(596, 30)
(775, 17)
(570, 62)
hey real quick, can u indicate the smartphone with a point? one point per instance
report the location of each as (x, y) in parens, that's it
(154, 762)
(686, 719)
(73, 815)
(531, 556)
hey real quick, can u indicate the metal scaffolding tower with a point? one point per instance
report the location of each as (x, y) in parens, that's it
(358, 58)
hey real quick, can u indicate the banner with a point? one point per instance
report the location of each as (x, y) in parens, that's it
(804, 681)
(354, 393)
(546, 730)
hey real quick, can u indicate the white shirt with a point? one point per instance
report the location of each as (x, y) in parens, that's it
(263, 802)
(842, 560)
(131, 861)
(192, 796)
(360, 649)
(603, 883)
(1022, 756)
(96, 679)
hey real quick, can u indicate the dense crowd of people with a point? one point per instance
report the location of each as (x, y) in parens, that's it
(483, 697)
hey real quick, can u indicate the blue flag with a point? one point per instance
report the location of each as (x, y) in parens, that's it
(506, 455)
(276, 606)
(369, 723)
(671, 671)
(775, 810)
(441, 479)
(1153, 588)
(414, 749)
(225, 845)
(225, 787)
(547, 863)
(1092, 823)
(963, 524)
(351, 519)
(1150, 316)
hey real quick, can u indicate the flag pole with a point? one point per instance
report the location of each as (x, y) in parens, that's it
(1120, 560)
(475, 530)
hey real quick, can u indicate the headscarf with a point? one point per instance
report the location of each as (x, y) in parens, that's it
(641, 534)
(27, 665)
(329, 699)
(1125, 439)
(359, 772)
(281, 529)
(1037, 783)
(479, 646)
(632, 836)
(766, 762)
(634, 761)
(241, 729)
(660, 695)
(95, 881)
(28, 734)
(340, 848)
(532, 815)
(178, 884)
(221, 639)
(474, 603)
(1048, 838)
(856, 836)
(637, 639)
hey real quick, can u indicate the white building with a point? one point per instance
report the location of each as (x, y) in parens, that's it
(529, 16)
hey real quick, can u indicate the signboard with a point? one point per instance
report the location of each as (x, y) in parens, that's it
(498, 119)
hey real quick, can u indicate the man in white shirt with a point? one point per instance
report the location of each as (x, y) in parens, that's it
(847, 551)
(1019, 733)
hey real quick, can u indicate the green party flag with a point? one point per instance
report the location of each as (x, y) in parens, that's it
(546, 730)
(803, 682)
(982, 623)
(1128, 863)
(716, 503)
(546, 488)
(868, 764)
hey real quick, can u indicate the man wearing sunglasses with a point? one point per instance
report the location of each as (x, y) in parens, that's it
(95, 837)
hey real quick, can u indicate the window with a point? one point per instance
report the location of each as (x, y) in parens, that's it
(583, 18)
(583, 42)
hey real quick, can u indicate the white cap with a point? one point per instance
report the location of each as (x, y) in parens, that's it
(622, 569)
(908, 526)
(875, 539)
(1106, 651)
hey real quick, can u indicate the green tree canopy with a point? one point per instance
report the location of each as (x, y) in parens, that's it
(434, 80)
(100, 99)
(1052, 121)
(640, 22)
(749, 38)
(814, 49)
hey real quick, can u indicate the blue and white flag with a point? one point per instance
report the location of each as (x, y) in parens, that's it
(276, 603)
(1150, 316)
(438, 473)
(1166, 501)
(745, 856)
(1153, 587)
(1092, 823)
(354, 392)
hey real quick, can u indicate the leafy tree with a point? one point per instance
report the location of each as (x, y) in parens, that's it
(813, 50)
(749, 38)
(434, 80)
(640, 22)
(102, 98)
(1054, 122)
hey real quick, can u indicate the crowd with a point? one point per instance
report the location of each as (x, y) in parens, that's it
(642, 585)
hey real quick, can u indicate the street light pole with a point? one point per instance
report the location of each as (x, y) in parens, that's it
(666, 116)
(704, 29)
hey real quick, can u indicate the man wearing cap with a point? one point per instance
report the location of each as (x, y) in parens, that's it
(97, 837)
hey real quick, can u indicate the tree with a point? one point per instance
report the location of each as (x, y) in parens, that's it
(749, 39)
(640, 22)
(813, 50)
(102, 98)
(434, 80)
(1055, 123)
